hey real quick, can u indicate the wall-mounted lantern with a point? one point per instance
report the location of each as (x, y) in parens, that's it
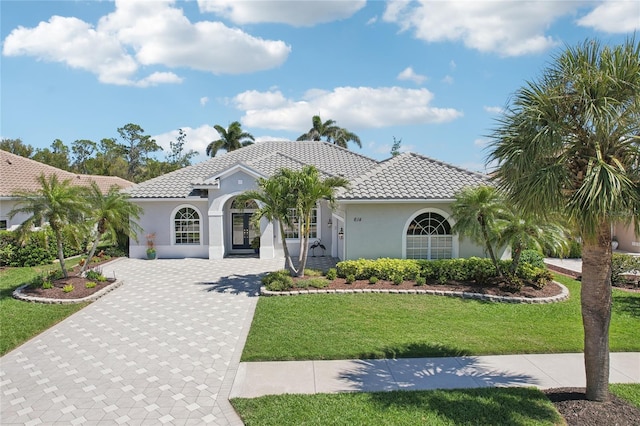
(329, 223)
(341, 233)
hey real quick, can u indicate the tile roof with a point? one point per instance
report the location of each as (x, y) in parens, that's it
(19, 174)
(265, 157)
(411, 177)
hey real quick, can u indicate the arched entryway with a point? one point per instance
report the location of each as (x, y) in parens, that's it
(243, 230)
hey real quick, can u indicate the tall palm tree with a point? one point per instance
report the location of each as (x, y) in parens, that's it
(112, 213)
(570, 143)
(310, 188)
(59, 204)
(231, 139)
(329, 130)
(475, 211)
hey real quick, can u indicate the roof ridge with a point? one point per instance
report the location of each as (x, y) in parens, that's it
(381, 165)
(444, 163)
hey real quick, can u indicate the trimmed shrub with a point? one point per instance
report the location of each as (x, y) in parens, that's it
(420, 280)
(373, 279)
(533, 258)
(316, 282)
(68, 288)
(349, 279)
(278, 281)
(332, 274)
(312, 273)
(90, 284)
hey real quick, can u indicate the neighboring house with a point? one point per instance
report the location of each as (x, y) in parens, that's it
(395, 208)
(20, 174)
(628, 241)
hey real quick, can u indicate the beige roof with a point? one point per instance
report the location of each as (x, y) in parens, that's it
(19, 174)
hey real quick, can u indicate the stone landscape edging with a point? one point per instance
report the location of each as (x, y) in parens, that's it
(564, 294)
(18, 294)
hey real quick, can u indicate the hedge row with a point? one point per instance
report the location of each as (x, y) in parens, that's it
(38, 249)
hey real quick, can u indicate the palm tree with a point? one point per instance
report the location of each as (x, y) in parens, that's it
(58, 203)
(231, 139)
(112, 213)
(310, 188)
(475, 211)
(525, 231)
(276, 198)
(570, 143)
(329, 130)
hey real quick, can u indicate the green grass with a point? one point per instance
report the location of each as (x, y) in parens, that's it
(485, 406)
(628, 391)
(19, 320)
(385, 326)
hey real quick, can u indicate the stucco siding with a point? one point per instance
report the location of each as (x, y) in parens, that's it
(157, 218)
(5, 208)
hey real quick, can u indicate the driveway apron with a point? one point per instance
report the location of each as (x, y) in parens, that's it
(162, 349)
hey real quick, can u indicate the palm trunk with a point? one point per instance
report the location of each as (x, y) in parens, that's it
(287, 256)
(596, 312)
(91, 253)
(304, 250)
(515, 258)
(485, 234)
(58, 235)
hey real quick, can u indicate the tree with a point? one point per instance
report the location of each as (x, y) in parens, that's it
(59, 204)
(569, 143)
(288, 191)
(395, 148)
(177, 158)
(82, 150)
(231, 139)
(476, 210)
(57, 156)
(136, 149)
(309, 189)
(523, 231)
(329, 130)
(17, 147)
(111, 213)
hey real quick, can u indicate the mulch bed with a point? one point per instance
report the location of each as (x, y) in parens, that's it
(79, 285)
(496, 289)
(577, 411)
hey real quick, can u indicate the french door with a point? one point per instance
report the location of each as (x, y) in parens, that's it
(242, 231)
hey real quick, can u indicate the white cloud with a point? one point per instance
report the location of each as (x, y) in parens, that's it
(481, 142)
(197, 139)
(204, 100)
(299, 13)
(147, 33)
(409, 74)
(351, 107)
(372, 20)
(614, 16)
(452, 65)
(508, 28)
(493, 109)
(447, 79)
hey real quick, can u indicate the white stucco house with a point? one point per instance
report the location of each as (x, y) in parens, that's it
(397, 208)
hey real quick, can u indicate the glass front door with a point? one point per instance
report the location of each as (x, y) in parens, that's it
(243, 232)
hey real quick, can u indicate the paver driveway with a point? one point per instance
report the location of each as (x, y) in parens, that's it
(162, 349)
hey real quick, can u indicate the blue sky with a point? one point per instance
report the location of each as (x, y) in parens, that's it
(435, 74)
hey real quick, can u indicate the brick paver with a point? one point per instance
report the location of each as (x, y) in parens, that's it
(162, 349)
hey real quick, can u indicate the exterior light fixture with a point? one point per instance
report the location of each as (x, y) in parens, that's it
(329, 223)
(341, 233)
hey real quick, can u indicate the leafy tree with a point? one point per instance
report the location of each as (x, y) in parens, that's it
(82, 150)
(177, 158)
(395, 148)
(109, 160)
(476, 210)
(136, 149)
(17, 147)
(231, 139)
(111, 213)
(329, 130)
(569, 143)
(60, 204)
(57, 156)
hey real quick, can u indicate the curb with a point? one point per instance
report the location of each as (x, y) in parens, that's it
(564, 294)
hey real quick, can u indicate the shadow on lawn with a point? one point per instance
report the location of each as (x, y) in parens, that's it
(628, 304)
(236, 284)
(475, 406)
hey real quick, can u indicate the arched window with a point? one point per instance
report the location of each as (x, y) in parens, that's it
(429, 237)
(186, 224)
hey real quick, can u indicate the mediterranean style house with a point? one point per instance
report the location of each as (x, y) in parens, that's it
(20, 174)
(397, 208)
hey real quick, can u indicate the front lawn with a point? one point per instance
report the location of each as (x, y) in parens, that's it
(483, 406)
(349, 326)
(20, 321)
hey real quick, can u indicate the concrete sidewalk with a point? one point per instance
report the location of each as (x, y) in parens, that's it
(543, 371)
